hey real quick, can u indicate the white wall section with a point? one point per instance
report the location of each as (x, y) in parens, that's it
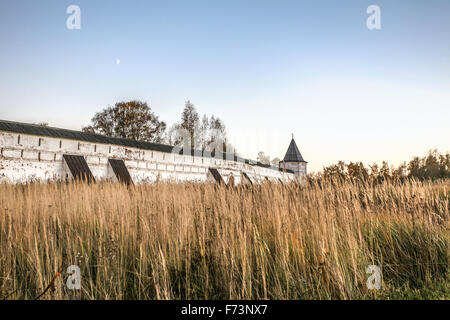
(26, 157)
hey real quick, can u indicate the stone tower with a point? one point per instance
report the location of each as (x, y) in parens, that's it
(293, 160)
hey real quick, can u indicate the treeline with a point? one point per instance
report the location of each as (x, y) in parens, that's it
(135, 120)
(433, 166)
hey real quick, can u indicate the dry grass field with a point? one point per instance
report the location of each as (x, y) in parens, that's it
(202, 241)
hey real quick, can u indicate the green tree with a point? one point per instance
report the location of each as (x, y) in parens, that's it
(399, 173)
(444, 166)
(190, 122)
(130, 120)
(357, 171)
(202, 133)
(335, 171)
(415, 169)
(432, 165)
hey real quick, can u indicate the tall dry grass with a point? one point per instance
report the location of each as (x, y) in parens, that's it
(201, 241)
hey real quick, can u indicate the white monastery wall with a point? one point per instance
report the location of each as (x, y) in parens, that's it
(25, 157)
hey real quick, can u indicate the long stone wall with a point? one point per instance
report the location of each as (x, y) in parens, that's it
(27, 157)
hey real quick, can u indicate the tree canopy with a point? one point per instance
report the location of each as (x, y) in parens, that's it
(201, 133)
(131, 120)
(431, 167)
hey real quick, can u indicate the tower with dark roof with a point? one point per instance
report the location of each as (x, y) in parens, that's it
(294, 161)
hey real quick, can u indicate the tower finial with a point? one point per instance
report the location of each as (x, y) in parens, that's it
(292, 136)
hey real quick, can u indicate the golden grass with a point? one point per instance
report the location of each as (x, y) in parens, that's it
(201, 241)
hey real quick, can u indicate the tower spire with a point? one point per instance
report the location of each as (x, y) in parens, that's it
(294, 161)
(293, 154)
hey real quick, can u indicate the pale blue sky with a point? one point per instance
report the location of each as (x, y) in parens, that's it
(267, 68)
